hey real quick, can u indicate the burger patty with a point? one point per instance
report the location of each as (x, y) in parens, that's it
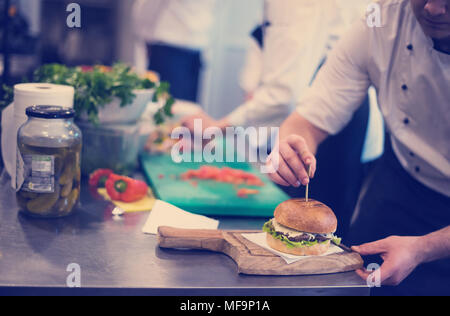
(306, 237)
(302, 237)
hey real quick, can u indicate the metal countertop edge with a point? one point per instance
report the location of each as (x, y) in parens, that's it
(182, 288)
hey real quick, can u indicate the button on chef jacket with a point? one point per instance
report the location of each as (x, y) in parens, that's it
(412, 80)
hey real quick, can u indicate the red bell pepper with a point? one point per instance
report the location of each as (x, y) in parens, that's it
(98, 178)
(125, 189)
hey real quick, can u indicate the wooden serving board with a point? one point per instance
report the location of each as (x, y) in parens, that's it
(251, 258)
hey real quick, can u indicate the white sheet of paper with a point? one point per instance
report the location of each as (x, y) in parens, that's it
(260, 240)
(165, 214)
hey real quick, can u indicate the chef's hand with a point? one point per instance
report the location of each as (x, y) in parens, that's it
(290, 160)
(207, 121)
(401, 255)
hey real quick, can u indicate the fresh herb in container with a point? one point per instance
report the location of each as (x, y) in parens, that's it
(98, 86)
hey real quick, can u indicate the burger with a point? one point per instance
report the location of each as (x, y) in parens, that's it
(302, 228)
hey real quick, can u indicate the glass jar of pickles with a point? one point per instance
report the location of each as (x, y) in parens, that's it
(48, 162)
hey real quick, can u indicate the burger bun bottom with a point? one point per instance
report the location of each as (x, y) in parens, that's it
(315, 250)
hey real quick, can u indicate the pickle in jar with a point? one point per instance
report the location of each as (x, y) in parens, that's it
(51, 177)
(66, 189)
(44, 203)
(73, 199)
(49, 147)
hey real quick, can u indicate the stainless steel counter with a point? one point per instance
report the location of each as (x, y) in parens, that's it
(116, 258)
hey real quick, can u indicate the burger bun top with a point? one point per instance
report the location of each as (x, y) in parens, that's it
(311, 217)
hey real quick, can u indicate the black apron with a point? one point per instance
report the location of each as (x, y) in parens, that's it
(394, 203)
(180, 67)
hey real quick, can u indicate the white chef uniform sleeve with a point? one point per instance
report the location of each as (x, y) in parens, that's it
(341, 85)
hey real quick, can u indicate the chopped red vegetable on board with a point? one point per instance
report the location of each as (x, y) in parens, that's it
(98, 178)
(244, 193)
(125, 189)
(227, 175)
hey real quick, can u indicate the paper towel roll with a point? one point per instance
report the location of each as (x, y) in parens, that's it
(26, 95)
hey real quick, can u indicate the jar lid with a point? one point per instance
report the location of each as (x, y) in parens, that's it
(50, 112)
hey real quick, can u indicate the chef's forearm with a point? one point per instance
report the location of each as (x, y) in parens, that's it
(435, 246)
(295, 124)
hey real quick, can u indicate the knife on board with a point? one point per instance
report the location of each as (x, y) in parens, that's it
(343, 247)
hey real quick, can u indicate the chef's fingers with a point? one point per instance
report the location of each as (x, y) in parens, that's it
(292, 159)
(363, 273)
(188, 122)
(371, 248)
(395, 269)
(298, 143)
(275, 175)
(287, 174)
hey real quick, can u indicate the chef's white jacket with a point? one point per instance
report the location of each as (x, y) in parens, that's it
(412, 80)
(183, 23)
(336, 17)
(300, 34)
(179, 23)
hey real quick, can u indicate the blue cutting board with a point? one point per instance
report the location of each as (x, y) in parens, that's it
(209, 197)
